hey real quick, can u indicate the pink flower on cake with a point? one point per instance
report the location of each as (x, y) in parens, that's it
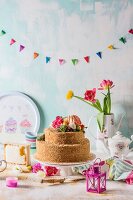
(67, 124)
(75, 119)
(57, 122)
(50, 171)
(90, 95)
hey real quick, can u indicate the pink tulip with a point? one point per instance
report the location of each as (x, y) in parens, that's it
(105, 84)
(90, 95)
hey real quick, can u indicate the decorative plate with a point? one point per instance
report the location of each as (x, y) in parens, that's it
(18, 114)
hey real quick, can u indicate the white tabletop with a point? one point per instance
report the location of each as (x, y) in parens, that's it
(116, 190)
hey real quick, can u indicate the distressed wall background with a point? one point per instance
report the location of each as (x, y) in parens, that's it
(68, 29)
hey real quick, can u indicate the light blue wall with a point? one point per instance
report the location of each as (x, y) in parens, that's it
(68, 29)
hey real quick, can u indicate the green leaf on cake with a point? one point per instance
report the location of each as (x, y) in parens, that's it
(78, 128)
(41, 138)
(63, 128)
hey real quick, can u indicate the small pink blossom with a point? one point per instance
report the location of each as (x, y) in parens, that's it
(37, 167)
(129, 179)
(50, 171)
(57, 122)
(105, 84)
(90, 95)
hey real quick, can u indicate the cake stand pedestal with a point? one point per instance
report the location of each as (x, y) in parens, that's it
(66, 168)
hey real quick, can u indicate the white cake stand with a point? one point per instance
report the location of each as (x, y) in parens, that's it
(66, 168)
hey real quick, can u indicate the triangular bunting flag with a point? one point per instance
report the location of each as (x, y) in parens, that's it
(47, 59)
(61, 61)
(2, 33)
(12, 41)
(130, 31)
(21, 47)
(87, 59)
(111, 47)
(35, 55)
(99, 54)
(123, 40)
(75, 61)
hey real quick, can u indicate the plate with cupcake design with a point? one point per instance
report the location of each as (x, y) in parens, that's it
(19, 114)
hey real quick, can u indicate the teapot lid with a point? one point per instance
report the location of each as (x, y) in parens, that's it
(120, 137)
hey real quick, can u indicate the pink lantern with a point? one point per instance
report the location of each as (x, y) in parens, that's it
(95, 179)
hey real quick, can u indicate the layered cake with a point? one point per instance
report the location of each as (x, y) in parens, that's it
(63, 142)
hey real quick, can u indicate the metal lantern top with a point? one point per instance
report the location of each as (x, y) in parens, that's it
(95, 169)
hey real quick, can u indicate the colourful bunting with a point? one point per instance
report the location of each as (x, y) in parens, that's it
(99, 54)
(111, 47)
(21, 48)
(12, 41)
(61, 61)
(123, 40)
(35, 55)
(87, 59)
(2, 33)
(47, 59)
(131, 31)
(75, 61)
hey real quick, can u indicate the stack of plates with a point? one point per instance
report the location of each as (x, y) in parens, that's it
(31, 139)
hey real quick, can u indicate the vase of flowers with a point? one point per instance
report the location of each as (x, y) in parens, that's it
(108, 127)
(105, 119)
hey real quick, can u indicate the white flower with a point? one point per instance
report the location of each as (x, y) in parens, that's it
(41, 174)
(72, 125)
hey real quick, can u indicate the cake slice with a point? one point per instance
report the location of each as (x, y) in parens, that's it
(17, 154)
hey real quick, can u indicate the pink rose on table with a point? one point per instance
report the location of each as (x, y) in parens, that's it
(50, 171)
(57, 122)
(106, 84)
(37, 167)
(90, 95)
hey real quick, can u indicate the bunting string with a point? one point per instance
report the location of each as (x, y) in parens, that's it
(123, 40)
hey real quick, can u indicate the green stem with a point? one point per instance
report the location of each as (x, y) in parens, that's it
(109, 101)
(94, 105)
